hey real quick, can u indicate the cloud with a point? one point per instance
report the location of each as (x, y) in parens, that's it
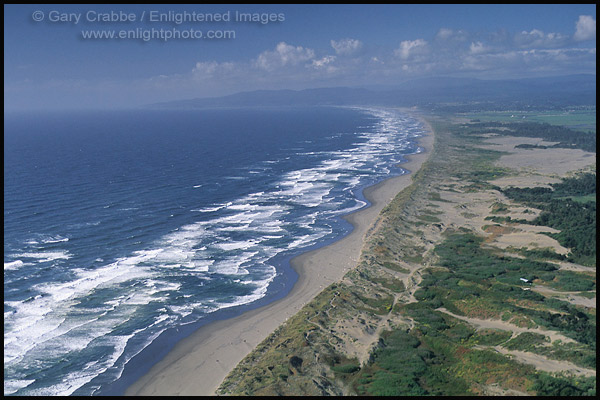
(530, 61)
(211, 69)
(346, 47)
(284, 55)
(323, 62)
(585, 28)
(538, 39)
(478, 48)
(410, 48)
(446, 34)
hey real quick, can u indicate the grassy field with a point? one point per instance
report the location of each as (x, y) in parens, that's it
(580, 119)
(584, 199)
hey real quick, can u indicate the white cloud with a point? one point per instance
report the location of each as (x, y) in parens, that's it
(534, 60)
(536, 38)
(478, 48)
(207, 73)
(211, 68)
(323, 61)
(283, 55)
(346, 47)
(585, 28)
(325, 64)
(445, 34)
(409, 48)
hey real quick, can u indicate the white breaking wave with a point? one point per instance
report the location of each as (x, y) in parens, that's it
(13, 265)
(45, 256)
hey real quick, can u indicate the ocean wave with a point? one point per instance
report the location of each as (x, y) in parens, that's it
(11, 386)
(13, 265)
(45, 256)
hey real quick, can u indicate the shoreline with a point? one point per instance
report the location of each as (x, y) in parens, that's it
(199, 363)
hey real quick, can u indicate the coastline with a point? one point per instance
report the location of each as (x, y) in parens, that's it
(198, 364)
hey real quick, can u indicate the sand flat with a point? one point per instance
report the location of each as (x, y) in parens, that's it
(554, 162)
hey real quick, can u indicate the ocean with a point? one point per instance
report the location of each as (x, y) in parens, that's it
(124, 231)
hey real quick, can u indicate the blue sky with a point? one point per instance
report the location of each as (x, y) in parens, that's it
(48, 64)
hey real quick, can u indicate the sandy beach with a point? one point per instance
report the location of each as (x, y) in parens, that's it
(198, 364)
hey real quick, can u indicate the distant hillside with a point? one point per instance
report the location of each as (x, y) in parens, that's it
(549, 92)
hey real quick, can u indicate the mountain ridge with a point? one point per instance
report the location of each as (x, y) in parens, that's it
(569, 89)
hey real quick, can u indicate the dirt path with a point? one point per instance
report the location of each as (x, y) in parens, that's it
(567, 266)
(539, 361)
(571, 297)
(545, 364)
(505, 326)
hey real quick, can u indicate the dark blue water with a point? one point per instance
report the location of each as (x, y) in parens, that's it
(121, 225)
